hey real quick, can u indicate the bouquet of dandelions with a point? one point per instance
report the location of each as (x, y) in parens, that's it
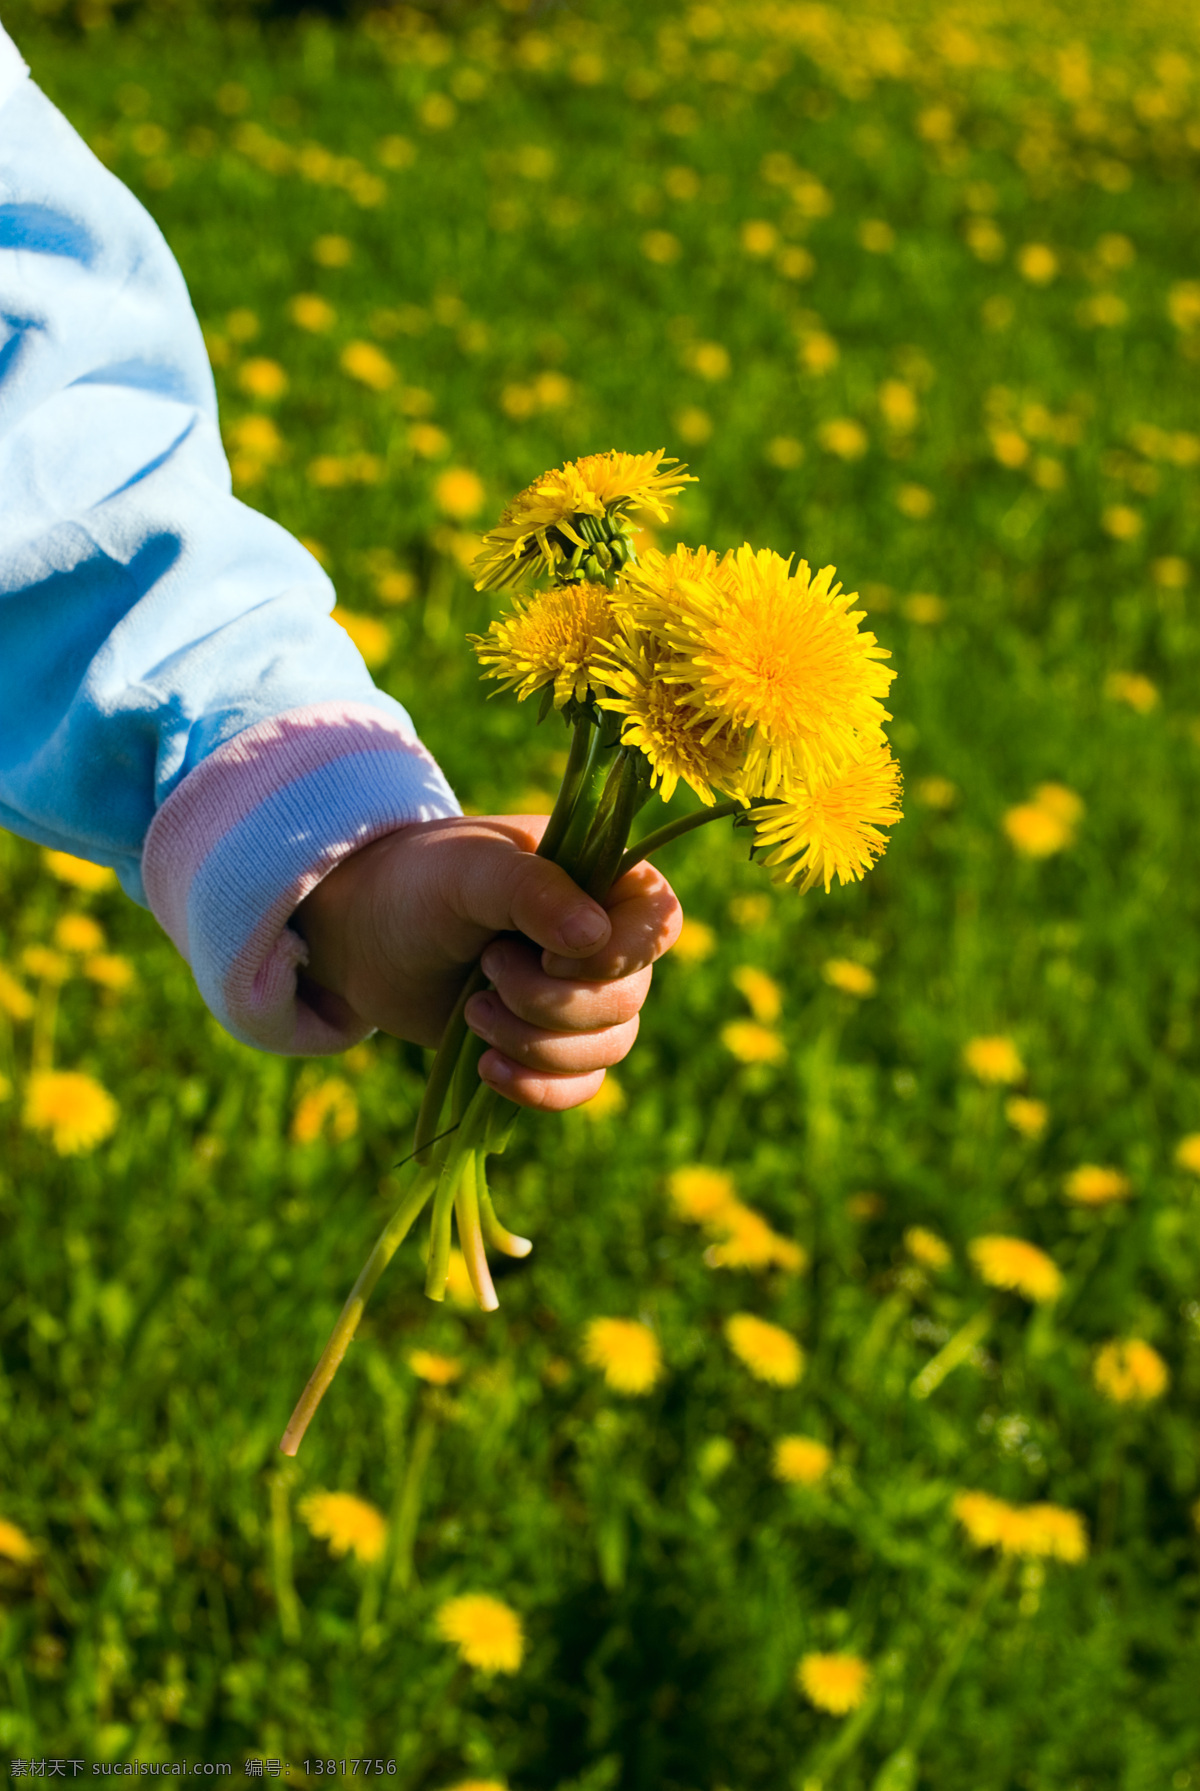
(734, 674)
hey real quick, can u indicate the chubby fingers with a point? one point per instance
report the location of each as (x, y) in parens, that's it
(646, 919)
(542, 1048)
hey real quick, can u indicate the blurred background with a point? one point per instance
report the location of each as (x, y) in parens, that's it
(896, 1202)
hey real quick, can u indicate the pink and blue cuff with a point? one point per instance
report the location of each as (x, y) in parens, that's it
(238, 845)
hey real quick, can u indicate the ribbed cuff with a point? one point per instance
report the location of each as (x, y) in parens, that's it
(239, 844)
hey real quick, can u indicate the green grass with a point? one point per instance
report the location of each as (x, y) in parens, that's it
(166, 1296)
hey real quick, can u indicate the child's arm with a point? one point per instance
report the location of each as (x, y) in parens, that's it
(174, 698)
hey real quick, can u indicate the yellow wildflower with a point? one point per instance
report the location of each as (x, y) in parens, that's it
(439, 1371)
(700, 1194)
(1029, 1531)
(761, 991)
(537, 530)
(369, 365)
(831, 828)
(696, 941)
(552, 638)
(801, 1461)
(1025, 1116)
(994, 1059)
(15, 1001)
(1187, 1151)
(73, 1108)
(769, 1352)
(263, 378)
(678, 739)
(80, 872)
(41, 961)
(1122, 522)
(14, 1544)
(459, 493)
(372, 637)
(834, 1682)
(333, 251)
(331, 1107)
(349, 1524)
(844, 437)
(1037, 263)
(848, 976)
(487, 1633)
(925, 1247)
(311, 312)
(1035, 831)
(111, 971)
(747, 1241)
(1017, 1265)
(626, 1351)
(257, 438)
(79, 932)
(751, 1043)
(1132, 688)
(608, 1099)
(1092, 1184)
(1129, 1371)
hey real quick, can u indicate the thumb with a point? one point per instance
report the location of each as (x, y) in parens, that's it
(512, 890)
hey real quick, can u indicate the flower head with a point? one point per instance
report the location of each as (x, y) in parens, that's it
(552, 639)
(15, 999)
(80, 933)
(674, 734)
(439, 1371)
(76, 1112)
(626, 1351)
(747, 1241)
(994, 1060)
(80, 872)
(700, 1194)
(849, 976)
(761, 991)
(487, 1633)
(751, 1043)
(350, 1525)
(1187, 1153)
(1030, 1530)
(769, 1352)
(830, 827)
(925, 1247)
(1017, 1265)
(1026, 1116)
(1094, 1185)
(1130, 1372)
(801, 1461)
(329, 1108)
(14, 1544)
(538, 531)
(834, 1682)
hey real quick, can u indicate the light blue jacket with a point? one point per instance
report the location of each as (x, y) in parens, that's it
(175, 700)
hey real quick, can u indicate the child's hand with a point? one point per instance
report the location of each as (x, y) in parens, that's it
(394, 929)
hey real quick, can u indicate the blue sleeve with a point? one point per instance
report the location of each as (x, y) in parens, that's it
(147, 618)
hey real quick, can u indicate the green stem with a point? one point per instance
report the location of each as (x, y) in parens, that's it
(441, 1072)
(408, 1502)
(281, 1554)
(470, 1235)
(507, 1242)
(564, 802)
(673, 830)
(951, 1354)
(386, 1245)
(953, 1658)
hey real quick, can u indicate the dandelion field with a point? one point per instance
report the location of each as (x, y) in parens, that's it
(840, 1430)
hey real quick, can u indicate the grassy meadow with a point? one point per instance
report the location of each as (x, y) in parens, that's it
(912, 288)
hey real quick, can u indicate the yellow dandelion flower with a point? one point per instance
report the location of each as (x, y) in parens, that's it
(701, 1194)
(801, 1461)
(1130, 1371)
(751, 1043)
(985, 1519)
(258, 438)
(924, 608)
(330, 1108)
(752, 910)
(844, 437)
(918, 502)
(312, 312)
(348, 1524)
(263, 378)
(15, 1001)
(819, 353)
(1061, 802)
(761, 991)
(79, 932)
(459, 493)
(898, 403)
(626, 1351)
(994, 1060)
(608, 1099)
(1030, 1531)
(1122, 522)
(925, 1247)
(769, 1352)
(677, 739)
(14, 1544)
(1183, 304)
(1036, 832)
(429, 441)
(1170, 572)
(834, 1682)
(696, 941)
(1018, 1266)
(1093, 1184)
(1028, 1117)
(333, 251)
(111, 971)
(749, 1242)
(1187, 1151)
(372, 637)
(41, 961)
(833, 826)
(80, 872)
(1054, 1531)
(369, 365)
(1134, 689)
(1037, 263)
(486, 1632)
(937, 792)
(73, 1108)
(849, 977)
(439, 1371)
(537, 530)
(553, 638)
